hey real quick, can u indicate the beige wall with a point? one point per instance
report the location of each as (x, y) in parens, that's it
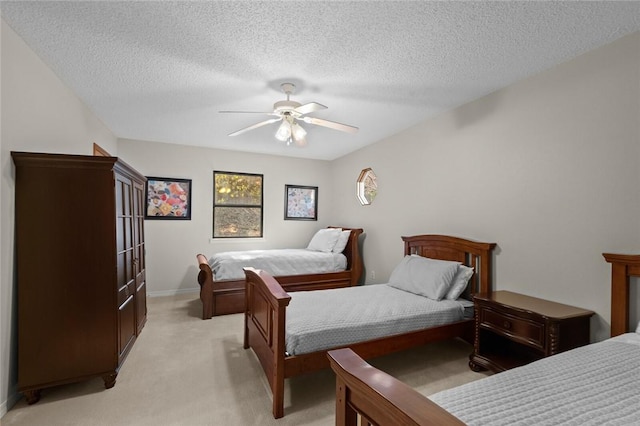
(546, 168)
(38, 113)
(172, 245)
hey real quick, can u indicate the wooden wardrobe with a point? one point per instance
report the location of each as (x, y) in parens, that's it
(79, 223)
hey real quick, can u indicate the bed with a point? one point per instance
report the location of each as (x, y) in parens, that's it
(590, 385)
(267, 302)
(226, 296)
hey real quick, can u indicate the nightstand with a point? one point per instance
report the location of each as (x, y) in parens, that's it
(512, 329)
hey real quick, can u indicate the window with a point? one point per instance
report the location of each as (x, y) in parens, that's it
(237, 205)
(366, 186)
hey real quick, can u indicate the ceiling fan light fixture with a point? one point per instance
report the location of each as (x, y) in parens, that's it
(298, 133)
(284, 131)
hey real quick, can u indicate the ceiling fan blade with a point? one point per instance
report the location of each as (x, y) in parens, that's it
(331, 124)
(310, 107)
(255, 126)
(248, 112)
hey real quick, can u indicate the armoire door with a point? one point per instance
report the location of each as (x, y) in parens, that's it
(125, 250)
(139, 204)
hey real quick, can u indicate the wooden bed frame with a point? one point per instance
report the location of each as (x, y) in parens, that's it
(266, 303)
(227, 296)
(379, 399)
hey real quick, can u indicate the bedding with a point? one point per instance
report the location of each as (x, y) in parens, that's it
(325, 239)
(228, 265)
(336, 263)
(460, 282)
(360, 313)
(594, 385)
(424, 276)
(597, 384)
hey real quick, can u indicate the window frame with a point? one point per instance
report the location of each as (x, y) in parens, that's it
(250, 206)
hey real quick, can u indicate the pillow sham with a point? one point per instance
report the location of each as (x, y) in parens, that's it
(424, 276)
(324, 240)
(343, 239)
(459, 283)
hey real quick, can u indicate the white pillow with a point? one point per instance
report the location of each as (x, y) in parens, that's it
(638, 328)
(343, 239)
(424, 276)
(459, 282)
(324, 240)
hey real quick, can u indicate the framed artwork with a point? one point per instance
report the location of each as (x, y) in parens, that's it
(168, 198)
(300, 202)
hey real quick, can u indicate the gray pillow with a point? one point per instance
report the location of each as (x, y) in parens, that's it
(459, 283)
(424, 276)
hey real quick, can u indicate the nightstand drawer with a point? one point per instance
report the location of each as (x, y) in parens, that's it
(527, 332)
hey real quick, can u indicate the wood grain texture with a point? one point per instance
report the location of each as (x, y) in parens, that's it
(262, 290)
(80, 267)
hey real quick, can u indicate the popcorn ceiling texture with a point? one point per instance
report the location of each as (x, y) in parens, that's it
(161, 71)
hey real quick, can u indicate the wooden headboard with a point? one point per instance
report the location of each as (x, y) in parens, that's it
(473, 254)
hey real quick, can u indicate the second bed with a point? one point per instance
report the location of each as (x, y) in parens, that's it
(290, 334)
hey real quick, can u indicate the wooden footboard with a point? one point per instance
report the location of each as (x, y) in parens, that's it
(224, 297)
(264, 329)
(378, 398)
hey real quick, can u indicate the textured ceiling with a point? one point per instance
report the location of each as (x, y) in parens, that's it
(161, 71)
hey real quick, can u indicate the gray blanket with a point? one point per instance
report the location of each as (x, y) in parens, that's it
(324, 319)
(595, 385)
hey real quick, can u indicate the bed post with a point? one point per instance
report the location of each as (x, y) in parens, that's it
(485, 268)
(205, 279)
(623, 266)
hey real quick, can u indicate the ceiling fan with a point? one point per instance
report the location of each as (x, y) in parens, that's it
(290, 113)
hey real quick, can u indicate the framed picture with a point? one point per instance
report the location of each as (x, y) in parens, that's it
(168, 198)
(300, 202)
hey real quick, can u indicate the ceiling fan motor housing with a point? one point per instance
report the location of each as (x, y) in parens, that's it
(285, 106)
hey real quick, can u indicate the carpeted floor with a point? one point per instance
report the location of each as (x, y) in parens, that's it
(186, 371)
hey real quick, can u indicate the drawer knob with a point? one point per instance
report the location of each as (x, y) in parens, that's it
(507, 325)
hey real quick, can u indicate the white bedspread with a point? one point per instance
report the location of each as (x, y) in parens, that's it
(323, 319)
(278, 262)
(596, 385)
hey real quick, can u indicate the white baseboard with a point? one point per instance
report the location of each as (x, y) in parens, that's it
(6, 405)
(172, 292)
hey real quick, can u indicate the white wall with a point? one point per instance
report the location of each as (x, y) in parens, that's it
(38, 113)
(546, 168)
(172, 245)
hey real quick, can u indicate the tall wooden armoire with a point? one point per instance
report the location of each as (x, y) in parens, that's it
(80, 255)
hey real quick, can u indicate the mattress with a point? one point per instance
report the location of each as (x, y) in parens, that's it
(597, 384)
(324, 319)
(278, 262)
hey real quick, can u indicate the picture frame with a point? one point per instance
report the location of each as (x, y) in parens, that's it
(300, 202)
(168, 198)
